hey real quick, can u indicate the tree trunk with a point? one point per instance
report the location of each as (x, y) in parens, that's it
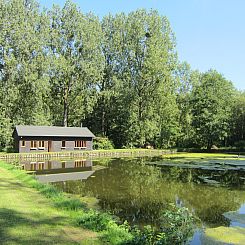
(103, 122)
(65, 111)
(140, 117)
(210, 143)
(103, 115)
(65, 116)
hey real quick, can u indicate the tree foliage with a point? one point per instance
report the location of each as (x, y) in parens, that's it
(211, 108)
(120, 76)
(237, 121)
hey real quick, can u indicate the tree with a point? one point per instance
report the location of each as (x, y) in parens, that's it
(140, 57)
(211, 102)
(77, 62)
(101, 119)
(186, 78)
(150, 57)
(237, 122)
(23, 81)
(145, 58)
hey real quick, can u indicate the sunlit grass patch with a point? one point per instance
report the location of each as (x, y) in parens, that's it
(200, 156)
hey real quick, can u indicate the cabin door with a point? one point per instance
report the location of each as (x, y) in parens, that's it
(49, 146)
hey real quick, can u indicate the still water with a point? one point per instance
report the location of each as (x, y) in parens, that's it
(138, 189)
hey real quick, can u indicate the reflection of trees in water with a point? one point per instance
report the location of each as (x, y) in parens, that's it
(73, 187)
(231, 178)
(139, 192)
(208, 202)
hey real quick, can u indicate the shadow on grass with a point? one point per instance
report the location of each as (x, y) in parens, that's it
(15, 228)
(6, 183)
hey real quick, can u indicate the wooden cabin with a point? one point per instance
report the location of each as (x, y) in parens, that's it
(52, 139)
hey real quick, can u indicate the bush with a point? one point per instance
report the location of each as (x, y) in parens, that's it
(147, 236)
(177, 224)
(94, 220)
(117, 234)
(100, 143)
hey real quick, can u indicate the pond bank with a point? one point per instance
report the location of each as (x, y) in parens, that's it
(45, 206)
(92, 154)
(28, 217)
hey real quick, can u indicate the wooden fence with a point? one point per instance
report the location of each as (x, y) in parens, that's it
(92, 154)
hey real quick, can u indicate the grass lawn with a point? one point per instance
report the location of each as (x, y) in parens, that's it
(28, 217)
(201, 156)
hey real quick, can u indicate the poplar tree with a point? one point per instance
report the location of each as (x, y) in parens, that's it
(77, 63)
(149, 58)
(24, 84)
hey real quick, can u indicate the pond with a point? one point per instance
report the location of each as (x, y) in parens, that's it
(138, 189)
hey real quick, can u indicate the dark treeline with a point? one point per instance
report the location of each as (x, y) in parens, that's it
(119, 76)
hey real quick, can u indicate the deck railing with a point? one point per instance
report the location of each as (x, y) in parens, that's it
(93, 154)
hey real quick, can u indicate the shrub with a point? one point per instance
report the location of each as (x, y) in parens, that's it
(117, 234)
(94, 220)
(177, 224)
(112, 233)
(102, 143)
(147, 236)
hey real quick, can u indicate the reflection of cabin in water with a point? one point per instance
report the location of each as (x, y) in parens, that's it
(52, 139)
(59, 170)
(56, 166)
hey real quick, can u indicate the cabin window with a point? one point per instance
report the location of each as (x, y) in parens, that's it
(80, 143)
(41, 144)
(77, 143)
(33, 144)
(63, 145)
(23, 143)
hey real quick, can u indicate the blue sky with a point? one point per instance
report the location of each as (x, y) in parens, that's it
(209, 33)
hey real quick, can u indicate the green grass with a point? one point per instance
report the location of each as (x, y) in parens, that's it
(29, 216)
(200, 155)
